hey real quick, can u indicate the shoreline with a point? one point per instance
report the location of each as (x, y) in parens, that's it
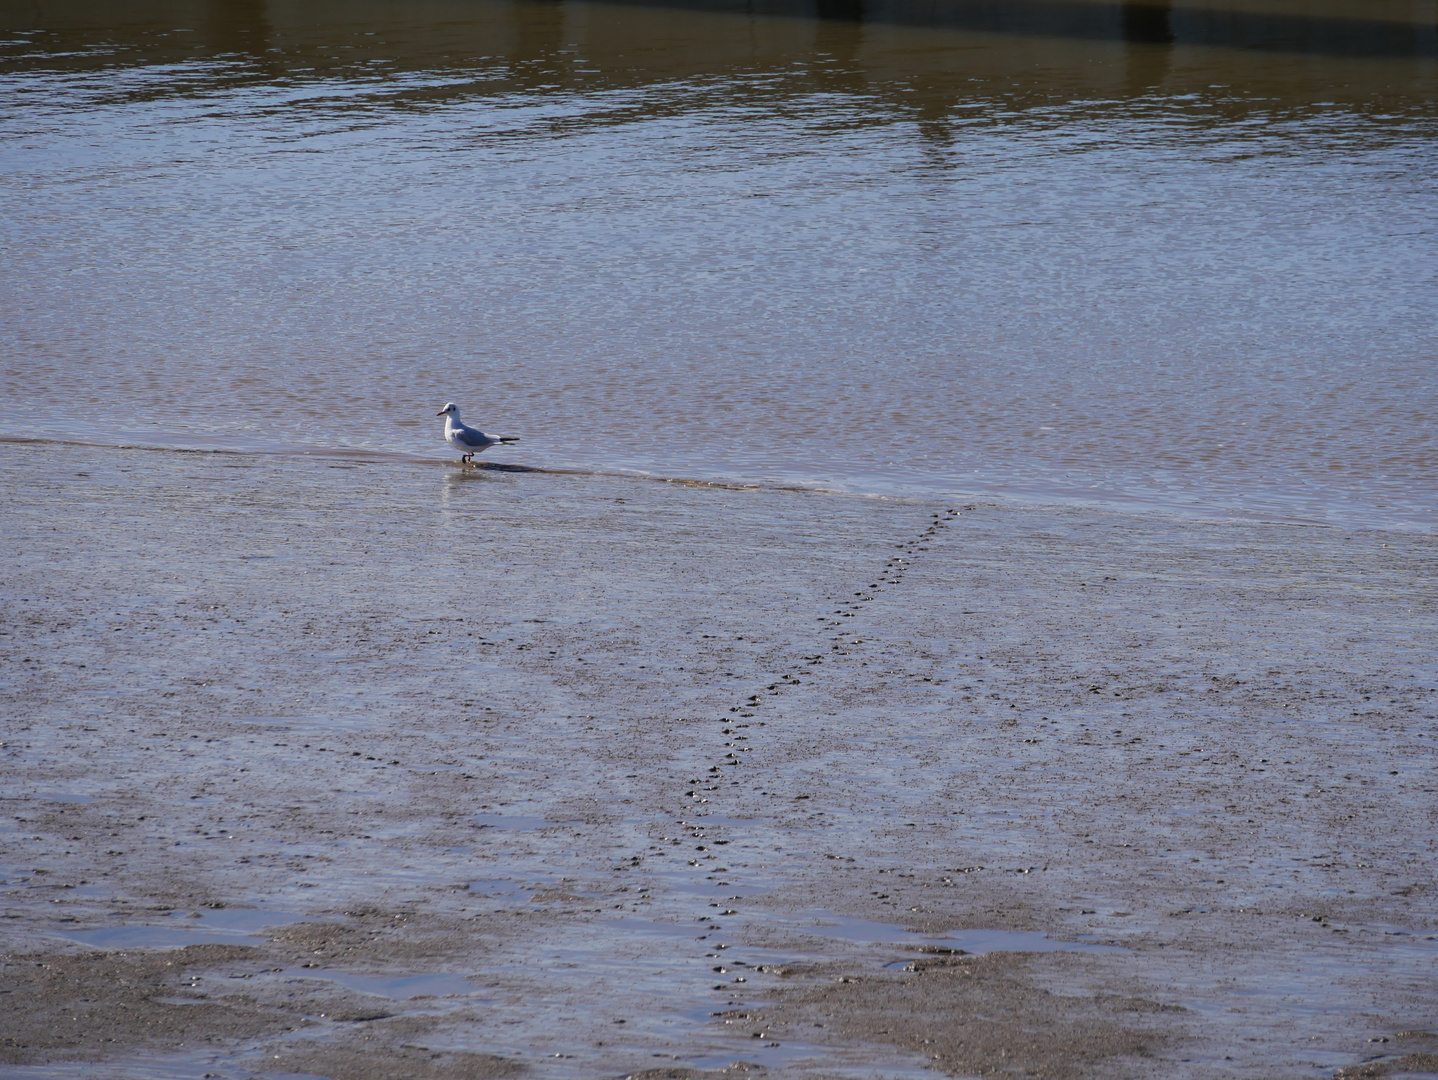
(549, 750)
(1127, 505)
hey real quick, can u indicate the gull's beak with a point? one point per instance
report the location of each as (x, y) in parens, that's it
(441, 412)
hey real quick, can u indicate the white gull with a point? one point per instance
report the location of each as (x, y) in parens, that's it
(468, 440)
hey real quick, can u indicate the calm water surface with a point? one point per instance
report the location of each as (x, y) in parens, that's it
(1178, 255)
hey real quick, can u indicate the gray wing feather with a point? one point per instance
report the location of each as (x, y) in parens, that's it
(471, 437)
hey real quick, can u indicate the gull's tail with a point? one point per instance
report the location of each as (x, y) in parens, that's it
(509, 438)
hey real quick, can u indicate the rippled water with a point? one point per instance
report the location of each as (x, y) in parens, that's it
(1180, 254)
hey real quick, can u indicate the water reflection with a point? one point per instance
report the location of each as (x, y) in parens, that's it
(433, 52)
(538, 32)
(237, 28)
(1148, 23)
(842, 10)
(449, 33)
(1148, 28)
(1395, 28)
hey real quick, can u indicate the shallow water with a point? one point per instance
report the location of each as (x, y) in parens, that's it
(178, 929)
(975, 942)
(1177, 255)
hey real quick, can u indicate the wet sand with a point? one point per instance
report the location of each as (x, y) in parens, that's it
(370, 768)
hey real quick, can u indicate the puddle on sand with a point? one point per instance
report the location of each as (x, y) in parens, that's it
(244, 920)
(232, 1065)
(518, 822)
(394, 987)
(317, 724)
(169, 1067)
(500, 889)
(789, 1052)
(219, 926)
(1316, 991)
(151, 937)
(976, 942)
(15, 878)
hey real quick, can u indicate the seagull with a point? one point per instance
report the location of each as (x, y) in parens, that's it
(465, 438)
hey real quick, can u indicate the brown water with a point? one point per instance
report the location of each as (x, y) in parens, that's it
(1178, 255)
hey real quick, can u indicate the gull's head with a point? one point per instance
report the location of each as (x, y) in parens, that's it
(450, 409)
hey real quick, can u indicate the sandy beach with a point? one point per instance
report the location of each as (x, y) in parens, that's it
(358, 767)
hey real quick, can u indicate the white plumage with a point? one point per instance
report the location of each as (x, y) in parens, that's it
(468, 440)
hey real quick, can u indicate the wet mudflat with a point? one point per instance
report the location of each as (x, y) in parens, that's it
(354, 767)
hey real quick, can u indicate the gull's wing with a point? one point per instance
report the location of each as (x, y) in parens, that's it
(473, 437)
